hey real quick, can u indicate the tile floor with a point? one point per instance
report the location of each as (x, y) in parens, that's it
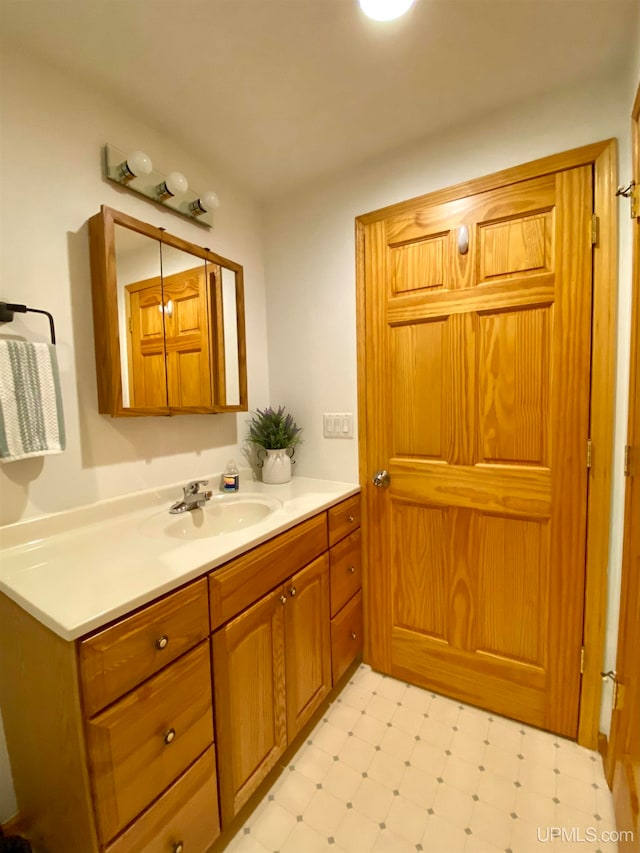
(394, 768)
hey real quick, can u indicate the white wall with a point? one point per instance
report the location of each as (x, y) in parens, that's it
(311, 268)
(53, 129)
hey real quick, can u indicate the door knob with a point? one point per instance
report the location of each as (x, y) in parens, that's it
(381, 479)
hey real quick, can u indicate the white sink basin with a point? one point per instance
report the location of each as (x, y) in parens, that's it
(222, 514)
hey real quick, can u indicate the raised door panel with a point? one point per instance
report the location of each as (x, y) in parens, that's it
(138, 746)
(147, 379)
(307, 643)
(189, 368)
(521, 245)
(421, 419)
(420, 265)
(513, 386)
(421, 566)
(249, 684)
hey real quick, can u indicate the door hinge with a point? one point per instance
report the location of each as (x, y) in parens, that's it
(582, 661)
(627, 461)
(595, 229)
(589, 453)
(130, 325)
(632, 192)
(618, 696)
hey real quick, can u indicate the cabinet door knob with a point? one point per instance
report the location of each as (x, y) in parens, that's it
(353, 635)
(162, 642)
(292, 591)
(352, 570)
(351, 519)
(178, 847)
(169, 736)
(283, 599)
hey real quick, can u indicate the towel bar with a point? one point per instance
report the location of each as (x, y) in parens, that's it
(8, 309)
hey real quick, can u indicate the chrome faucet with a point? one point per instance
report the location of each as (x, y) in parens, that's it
(192, 497)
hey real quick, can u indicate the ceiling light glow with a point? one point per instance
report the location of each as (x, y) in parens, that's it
(385, 10)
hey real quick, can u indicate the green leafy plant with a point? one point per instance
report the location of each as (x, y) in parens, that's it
(273, 429)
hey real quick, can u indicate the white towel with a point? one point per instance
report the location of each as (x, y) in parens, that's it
(31, 417)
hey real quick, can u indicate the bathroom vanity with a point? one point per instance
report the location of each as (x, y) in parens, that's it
(144, 706)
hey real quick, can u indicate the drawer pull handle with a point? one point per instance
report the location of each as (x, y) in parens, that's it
(292, 591)
(178, 847)
(162, 642)
(353, 635)
(352, 570)
(169, 736)
(351, 519)
(283, 599)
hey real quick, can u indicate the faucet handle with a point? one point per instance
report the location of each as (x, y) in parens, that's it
(193, 487)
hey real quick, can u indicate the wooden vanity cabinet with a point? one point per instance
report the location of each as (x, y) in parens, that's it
(111, 741)
(345, 557)
(272, 669)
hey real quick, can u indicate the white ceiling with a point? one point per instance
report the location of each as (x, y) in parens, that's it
(279, 92)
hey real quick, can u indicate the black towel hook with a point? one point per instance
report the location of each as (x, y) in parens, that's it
(8, 309)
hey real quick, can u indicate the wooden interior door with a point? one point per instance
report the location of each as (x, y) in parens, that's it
(189, 369)
(147, 370)
(623, 758)
(477, 405)
(307, 643)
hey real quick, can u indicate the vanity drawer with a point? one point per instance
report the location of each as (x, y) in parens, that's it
(187, 814)
(346, 570)
(346, 637)
(243, 581)
(125, 654)
(138, 746)
(343, 519)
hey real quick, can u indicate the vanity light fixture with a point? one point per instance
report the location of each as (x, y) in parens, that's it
(137, 163)
(385, 10)
(207, 202)
(134, 171)
(174, 184)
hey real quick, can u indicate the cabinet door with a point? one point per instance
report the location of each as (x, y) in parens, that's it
(307, 642)
(249, 679)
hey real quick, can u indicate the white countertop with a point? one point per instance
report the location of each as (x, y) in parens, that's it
(75, 571)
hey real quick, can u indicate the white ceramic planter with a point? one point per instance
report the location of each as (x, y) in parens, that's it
(276, 465)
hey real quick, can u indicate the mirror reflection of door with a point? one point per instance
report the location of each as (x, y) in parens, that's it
(186, 323)
(169, 322)
(140, 317)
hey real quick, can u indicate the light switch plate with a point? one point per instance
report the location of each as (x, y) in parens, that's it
(337, 424)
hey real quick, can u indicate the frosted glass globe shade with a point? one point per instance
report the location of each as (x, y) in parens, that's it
(385, 10)
(176, 183)
(139, 163)
(209, 201)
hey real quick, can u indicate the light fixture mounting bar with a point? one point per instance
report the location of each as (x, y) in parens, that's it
(187, 204)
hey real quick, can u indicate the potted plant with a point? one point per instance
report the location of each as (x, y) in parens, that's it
(275, 435)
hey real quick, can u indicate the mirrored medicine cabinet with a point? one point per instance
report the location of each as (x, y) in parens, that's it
(168, 320)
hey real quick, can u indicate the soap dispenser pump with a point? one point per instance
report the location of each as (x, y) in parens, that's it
(231, 477)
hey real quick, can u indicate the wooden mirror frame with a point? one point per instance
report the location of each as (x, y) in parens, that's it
(106, 327)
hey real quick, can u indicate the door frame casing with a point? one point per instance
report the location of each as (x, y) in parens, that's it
(603, 157)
